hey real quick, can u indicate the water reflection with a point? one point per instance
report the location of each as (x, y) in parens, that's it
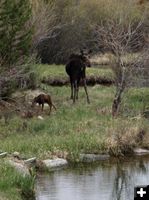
(125, 177)
(110, 180)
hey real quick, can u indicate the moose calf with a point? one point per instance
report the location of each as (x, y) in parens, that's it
(42, 99)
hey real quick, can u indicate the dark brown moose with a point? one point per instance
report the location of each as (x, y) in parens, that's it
(76, 70)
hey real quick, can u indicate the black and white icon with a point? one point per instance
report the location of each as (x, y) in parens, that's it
(141, 193)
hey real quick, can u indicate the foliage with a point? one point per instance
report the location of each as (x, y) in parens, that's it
(15, 33)
(119, 35)
(76, 22)
(42, 20)
(19, 77)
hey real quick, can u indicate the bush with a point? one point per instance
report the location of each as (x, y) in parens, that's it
(16, 78)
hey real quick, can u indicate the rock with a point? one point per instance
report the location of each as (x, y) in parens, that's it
(30, 162)
(93, 157)
(55, 164)
(20, 167)
(139, 151)
(4, 154)
(40, 117)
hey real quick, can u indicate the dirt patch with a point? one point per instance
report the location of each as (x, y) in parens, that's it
(91, 81)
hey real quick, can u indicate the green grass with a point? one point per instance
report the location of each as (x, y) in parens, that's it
(13, 186)
(75, 128)
(53, 71)
(136, 100)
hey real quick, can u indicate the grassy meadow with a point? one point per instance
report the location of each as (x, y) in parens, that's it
(52, 30)
(74, 128)
(80, 127)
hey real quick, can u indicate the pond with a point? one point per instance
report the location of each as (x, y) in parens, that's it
(114, 179)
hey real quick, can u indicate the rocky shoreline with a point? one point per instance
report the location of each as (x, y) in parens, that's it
(24, 166)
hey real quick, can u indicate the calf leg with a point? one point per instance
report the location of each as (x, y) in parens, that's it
(85, 88)
(39, 110)
(42, 107)
(54, 106)
(50, 108)
(50, 105)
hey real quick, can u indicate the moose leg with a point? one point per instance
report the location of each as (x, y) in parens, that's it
(75, 91)
(50, 108)
(42, 107)
(72, 88)
(50, 105)
(54, 106)
(85, 88)
(72, 91)
(39, 109)
(78, 82)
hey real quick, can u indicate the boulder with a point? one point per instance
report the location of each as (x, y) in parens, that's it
(20, 167)
(139, 151)
(54, 164)
(40, 117)
(93, 157)
(30, 162)
(4, 154)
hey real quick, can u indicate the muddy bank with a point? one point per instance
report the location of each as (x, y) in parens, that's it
(91, 81)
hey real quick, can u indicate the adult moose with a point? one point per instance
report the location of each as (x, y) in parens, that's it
(76, 70)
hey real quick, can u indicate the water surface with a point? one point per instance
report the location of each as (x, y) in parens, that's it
(107, 180)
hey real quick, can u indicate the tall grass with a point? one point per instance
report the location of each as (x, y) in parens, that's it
(80, 127)
(14, 186)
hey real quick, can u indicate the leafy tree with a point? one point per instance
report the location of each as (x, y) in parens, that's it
(15, 33)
